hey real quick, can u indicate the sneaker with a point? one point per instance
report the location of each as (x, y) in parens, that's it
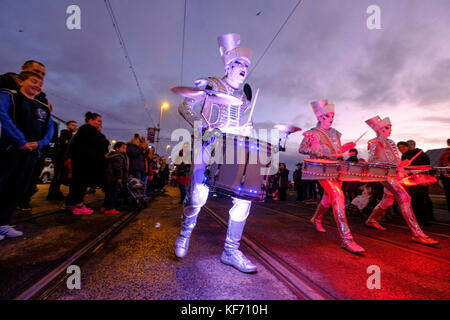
(10, 232)
(82, 210)
(112, 211)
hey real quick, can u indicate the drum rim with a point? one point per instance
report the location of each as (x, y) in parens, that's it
(323, 161)
(381, 165)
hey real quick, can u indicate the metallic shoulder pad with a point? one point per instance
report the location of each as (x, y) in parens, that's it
(186, 108)
(372, 146)
(338, 134)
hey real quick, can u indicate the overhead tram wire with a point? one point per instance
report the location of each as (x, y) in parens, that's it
(179, 121)
(127, 56)
(182, 45)
(100, 109)
(95, 109)
(276, 35)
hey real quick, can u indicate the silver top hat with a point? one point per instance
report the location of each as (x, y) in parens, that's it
(321, 107)
(230, 49)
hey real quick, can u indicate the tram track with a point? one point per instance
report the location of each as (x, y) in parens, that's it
(382, 241)
(297, 281)
(55, 277)
(406, 228)
(387, 224)
(51, 212)
(42, 214)
(440, 224)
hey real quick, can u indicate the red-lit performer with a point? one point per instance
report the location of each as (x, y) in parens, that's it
(322, 142)
(382, 149)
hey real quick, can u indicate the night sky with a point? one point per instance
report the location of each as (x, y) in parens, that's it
(325, 51)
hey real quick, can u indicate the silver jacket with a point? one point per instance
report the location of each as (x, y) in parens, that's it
(329, 142)
(383, 150)
(215, 115)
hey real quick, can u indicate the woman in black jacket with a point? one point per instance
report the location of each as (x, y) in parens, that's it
(283, 176)
(136, 156)
(87, 153)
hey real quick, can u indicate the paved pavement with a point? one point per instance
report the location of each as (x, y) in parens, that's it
(138, 263)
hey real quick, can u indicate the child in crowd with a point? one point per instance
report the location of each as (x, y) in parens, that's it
(116, 173)
(363, 199)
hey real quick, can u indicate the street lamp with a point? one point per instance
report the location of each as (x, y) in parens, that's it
(165, 105)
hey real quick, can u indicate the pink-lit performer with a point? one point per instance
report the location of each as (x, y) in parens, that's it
(382, 149)
(323, 142)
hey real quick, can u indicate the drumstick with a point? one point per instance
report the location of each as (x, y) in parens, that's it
(253, 106)
(360, 137)
(413, 158)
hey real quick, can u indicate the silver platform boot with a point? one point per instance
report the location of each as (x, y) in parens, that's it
(372, 221)
(182, 242)
(231, 255)
(317, 218)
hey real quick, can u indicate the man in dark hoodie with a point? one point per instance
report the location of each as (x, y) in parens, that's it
(420, 198)
(136, 155)
(116, 173)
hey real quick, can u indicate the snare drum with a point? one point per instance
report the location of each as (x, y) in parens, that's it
(418, 176)
(366, 171)
(245, 175)
(378, 171)
(445, 171)
(320, 169)
(353, 171)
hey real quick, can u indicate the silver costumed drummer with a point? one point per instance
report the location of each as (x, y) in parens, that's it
(236, 60)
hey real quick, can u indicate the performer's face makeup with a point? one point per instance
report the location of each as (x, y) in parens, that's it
(237, 72)
(326, 120)
(385, 132)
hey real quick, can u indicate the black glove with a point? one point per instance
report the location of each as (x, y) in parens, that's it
(248, 91)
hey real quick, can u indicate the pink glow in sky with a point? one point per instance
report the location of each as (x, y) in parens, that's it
(325, 51)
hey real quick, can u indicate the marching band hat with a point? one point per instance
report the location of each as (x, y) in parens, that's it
(230, 49)
(376, 122)
(321, 107)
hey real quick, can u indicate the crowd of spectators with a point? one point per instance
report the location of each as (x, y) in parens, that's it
(82, 158)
